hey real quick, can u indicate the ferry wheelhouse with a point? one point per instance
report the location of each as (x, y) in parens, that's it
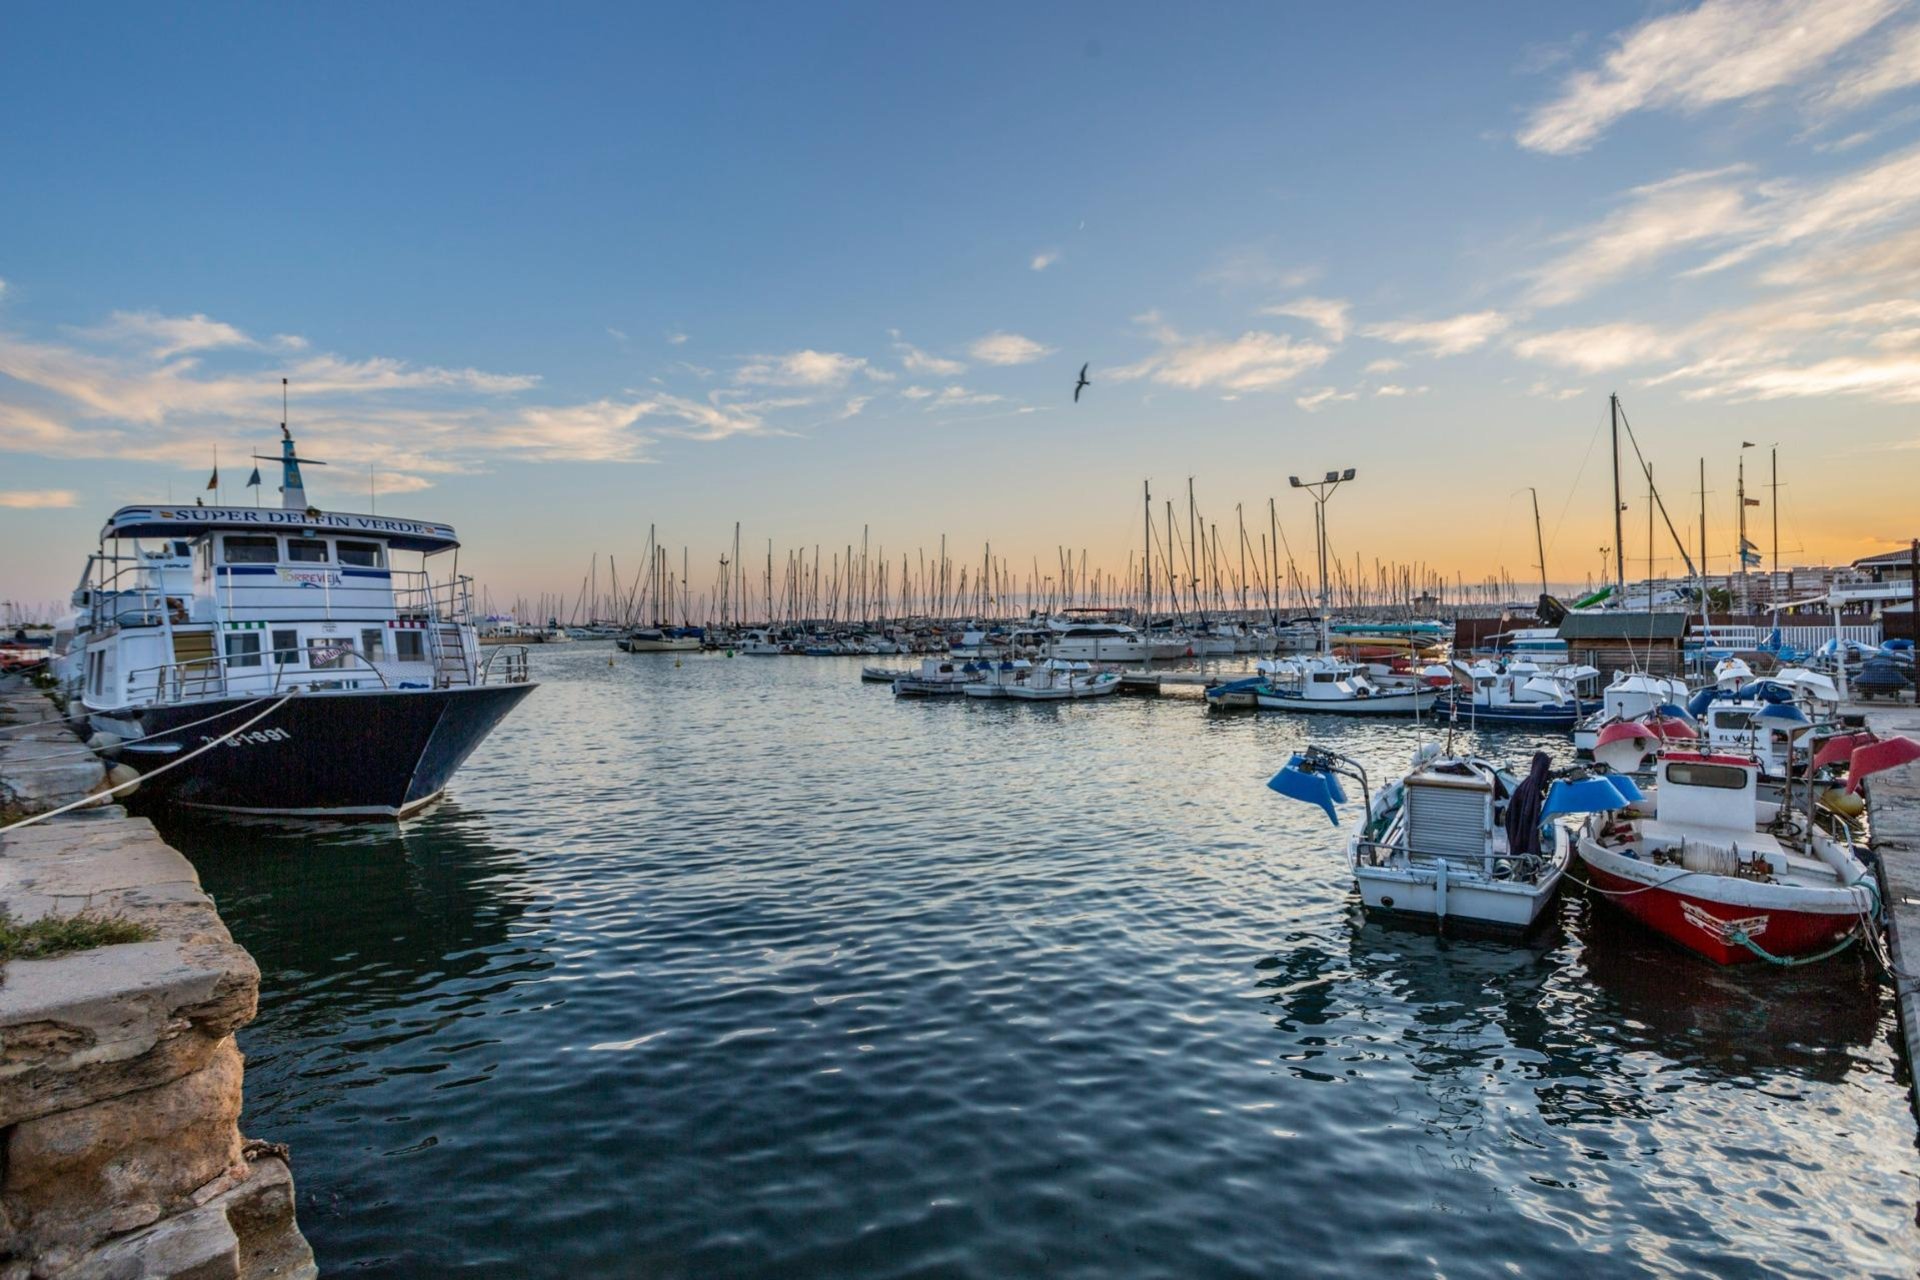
(337, 640)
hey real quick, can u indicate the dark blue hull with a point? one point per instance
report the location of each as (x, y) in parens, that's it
(1562, 716)
(354, 754)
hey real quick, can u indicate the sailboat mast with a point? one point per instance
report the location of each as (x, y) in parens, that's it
(1539, 542)
(1619, 545)
(1146, 504)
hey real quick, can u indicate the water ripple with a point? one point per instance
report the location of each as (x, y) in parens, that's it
(739, 968)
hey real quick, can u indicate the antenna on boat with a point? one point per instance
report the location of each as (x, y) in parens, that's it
(293, 492)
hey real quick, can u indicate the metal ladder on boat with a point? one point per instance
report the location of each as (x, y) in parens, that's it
(450, 668)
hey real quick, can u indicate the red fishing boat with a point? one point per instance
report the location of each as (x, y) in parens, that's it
(1702, 859)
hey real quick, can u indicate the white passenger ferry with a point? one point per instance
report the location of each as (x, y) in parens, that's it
(342, 629)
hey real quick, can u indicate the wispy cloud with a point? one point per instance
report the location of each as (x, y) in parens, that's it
(676, 339)
(1721, 51)
(1896, 66)
(1044, 259)
(1007, 348)
(1453, 336)
(960, 397)
(164, 336)
(1548, 391)
(1852, 204)
(1314, 401)
(1657, 220)
(1394, 391)
(1254, 361)
(166, 389)
(1254, 267)
(914, 360)
(1330, 315)
(1385, 364)
(808, 368)
(1597, 347)
(38, 499)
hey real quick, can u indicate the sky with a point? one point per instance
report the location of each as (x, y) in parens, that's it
(558, 275)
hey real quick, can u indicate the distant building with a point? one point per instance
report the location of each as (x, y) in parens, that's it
(1620, 641)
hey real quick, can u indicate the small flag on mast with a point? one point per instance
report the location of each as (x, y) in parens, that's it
(253, 481)
(213, 481)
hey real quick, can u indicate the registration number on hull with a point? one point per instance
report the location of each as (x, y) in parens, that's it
(251, 736)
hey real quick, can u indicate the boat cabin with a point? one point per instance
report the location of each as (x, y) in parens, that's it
(255, 602)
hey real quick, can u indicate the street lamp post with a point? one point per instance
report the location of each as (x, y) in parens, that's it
(1321, 491)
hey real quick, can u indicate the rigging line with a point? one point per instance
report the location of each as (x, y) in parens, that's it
(1658, 500)
(1575, 488)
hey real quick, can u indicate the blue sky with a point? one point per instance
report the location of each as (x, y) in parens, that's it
(554, 275)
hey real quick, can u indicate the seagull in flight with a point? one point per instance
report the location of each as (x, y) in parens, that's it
(1083, 383)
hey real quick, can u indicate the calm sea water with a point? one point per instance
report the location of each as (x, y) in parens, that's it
(719, 967)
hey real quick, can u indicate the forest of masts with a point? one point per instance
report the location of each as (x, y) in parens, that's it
(1189, 574)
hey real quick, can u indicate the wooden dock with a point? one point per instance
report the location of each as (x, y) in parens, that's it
(1895, 799)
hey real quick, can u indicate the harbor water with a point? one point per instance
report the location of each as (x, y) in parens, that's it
(737, 967)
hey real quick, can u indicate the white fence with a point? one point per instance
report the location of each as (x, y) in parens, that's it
(1804, 638)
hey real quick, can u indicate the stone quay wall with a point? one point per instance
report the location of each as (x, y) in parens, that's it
(120, 1082)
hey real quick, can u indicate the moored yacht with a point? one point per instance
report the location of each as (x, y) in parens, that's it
(1091, 635)
(296, 667)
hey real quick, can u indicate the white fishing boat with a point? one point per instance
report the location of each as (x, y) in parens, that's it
(1630, 696)
(1057, 680)
(761, 644)
(936, 678)
(1457, 839)
(1516, 694)
(997, 679)
(1323, 685)
(657, 640)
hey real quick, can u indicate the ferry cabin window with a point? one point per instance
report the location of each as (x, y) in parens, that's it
(243, 649)
(410, 646)
(370, 644)
(307, 550)
(1723, 776)
(249, 549)
(286, 647)
(364, 554)
(328, 654)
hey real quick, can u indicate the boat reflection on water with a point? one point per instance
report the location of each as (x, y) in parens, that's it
(1589, 1028)
(1741, 1026)
(364, 929)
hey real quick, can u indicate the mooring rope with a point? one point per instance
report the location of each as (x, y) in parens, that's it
(171, 764)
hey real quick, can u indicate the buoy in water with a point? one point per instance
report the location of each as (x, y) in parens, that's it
(676, 664)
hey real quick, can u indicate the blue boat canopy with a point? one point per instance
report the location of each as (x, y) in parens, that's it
(1300, 780)
(1627, 787)
(1595, 794)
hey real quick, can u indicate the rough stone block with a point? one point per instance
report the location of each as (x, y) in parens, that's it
(79, 1176)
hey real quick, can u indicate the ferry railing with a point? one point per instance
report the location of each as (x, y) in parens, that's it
(515, 665)
(200, 677)
(417, 595)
